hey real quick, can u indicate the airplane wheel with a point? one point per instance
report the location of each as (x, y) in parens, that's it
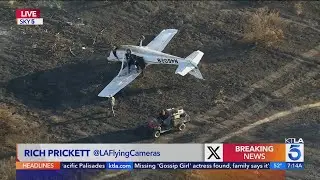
(182, 127)
(156, 134)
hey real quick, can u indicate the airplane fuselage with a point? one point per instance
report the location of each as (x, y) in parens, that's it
(150, 56)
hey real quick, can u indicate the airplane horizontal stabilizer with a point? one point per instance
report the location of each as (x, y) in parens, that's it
(196, 73)
(195, 58)
(184, 68)
(190, 65)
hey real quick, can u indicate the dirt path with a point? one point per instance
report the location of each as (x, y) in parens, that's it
(267, 120)
(232, 134)
(214, 129)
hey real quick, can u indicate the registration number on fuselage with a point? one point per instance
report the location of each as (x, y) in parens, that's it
(170, 61)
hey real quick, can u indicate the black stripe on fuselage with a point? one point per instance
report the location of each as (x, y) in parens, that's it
(167, 61)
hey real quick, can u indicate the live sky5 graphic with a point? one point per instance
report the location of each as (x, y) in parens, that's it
(294, 150)
(28, 17)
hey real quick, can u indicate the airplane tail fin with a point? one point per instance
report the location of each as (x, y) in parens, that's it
(191, 65)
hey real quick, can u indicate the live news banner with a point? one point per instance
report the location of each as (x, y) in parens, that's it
(33, 158)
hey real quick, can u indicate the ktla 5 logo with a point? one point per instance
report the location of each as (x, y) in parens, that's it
(294, 152)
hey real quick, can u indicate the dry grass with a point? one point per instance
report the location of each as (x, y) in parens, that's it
(220, 99)
(7, 169)
(13, 128)
(298, 7)
(11, 2)
(7, 166)
(10, 125)
(264, 27)
(16, 128)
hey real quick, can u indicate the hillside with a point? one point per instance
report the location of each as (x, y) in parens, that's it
(260, 58)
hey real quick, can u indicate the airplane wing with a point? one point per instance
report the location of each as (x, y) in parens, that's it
(162, 40)
(119, 82)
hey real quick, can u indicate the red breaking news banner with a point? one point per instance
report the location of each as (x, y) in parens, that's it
(28, 13)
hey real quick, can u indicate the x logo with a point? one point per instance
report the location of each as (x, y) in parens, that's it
(213, 152)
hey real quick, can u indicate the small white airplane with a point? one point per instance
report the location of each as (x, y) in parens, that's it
(151, 54)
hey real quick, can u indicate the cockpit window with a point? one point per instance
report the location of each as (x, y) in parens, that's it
(114, 51)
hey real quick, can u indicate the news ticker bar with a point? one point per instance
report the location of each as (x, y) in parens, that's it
(158, 165)
(216, 152)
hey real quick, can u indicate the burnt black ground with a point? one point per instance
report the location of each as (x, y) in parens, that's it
(57, 90)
